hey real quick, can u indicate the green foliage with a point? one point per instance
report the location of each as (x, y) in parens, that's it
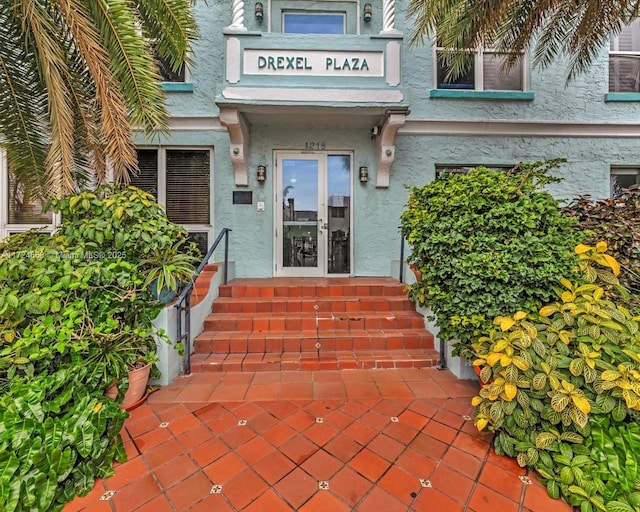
(76, 308)
(57, 434)
(486, 244)
(554, 378)
(616, 221)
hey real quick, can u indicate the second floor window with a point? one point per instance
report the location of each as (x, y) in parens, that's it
(485, 74)
(313, 23)
(624, 59)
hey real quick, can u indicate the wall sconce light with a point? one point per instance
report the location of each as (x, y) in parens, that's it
(364, 174)
(261, 173)
(259, 11)
(367, 12)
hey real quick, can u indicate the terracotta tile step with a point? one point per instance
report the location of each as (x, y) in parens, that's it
(272, 288)
(311, 304)
(308, 341)
(326, 360)
(314, 321)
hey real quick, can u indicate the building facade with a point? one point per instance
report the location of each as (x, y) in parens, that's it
(300, 124)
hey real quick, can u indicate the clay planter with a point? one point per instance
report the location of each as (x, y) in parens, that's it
(478, 371)
(138, 379)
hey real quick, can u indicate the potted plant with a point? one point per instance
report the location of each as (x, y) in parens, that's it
(124, 359)
(167, 268)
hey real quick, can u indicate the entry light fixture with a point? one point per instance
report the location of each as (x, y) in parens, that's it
(367, 12)
(364, 174)
(261, 173)
(259, 12)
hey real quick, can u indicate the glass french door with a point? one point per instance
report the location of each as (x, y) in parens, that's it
(313, 214)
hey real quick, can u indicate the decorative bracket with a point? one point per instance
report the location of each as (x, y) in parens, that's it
(239, 143)
(386, 146)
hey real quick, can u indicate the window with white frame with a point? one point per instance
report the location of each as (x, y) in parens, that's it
(314, 17)
(180, 179)
(313, 22)
(623, 177)
(21, 209)
(486, 73)
(624, 59)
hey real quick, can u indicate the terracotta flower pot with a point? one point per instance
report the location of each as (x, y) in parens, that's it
(478, 370)
(138, 379)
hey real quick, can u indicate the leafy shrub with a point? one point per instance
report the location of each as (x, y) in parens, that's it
(616, 221)
(76, 309)
(57, 434)
(486, 244)
(549, 374)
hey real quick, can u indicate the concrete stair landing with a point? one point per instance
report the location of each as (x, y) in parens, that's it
(313, 324)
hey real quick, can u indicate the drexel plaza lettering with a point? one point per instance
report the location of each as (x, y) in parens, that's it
(282, 62)
(297, 62)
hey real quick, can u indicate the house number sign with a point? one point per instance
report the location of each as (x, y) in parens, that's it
(313, 63)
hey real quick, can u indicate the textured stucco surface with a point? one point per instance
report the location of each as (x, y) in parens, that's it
(377, 211)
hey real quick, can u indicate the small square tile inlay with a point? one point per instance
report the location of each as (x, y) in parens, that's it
(107, 495)
(242, 423)
(319, 420)
(425, 482)
(466, 417)
(323, 485)
(164, 424)
(525, 480)
(216, 489)
(394, 419)
(318, 345)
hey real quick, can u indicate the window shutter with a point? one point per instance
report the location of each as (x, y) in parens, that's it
(147, 176)
(23, 207)
(188, 186)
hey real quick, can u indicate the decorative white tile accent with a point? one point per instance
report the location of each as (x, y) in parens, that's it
(242, 423)
(525, 480)
(394, 419)
(318, 345)
(319, 420)
(164, 424)
(466, 417)
(425, 482)
(323, 485)
(107, 495)
(216, 489)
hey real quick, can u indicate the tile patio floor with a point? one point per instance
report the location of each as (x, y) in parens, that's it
(324, 441)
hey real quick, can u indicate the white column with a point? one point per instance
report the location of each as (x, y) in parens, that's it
(389, 17)
(237, 15)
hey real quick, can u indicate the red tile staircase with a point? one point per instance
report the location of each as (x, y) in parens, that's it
(313, 324)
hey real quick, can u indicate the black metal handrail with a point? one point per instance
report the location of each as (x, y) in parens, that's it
(183, 302)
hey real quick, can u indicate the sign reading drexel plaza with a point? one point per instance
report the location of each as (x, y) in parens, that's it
(313, 63)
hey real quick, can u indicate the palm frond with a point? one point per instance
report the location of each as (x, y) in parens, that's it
(577, 29)
(171, 26)
(132, 63)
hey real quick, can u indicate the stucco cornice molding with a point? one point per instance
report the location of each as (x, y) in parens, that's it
(239, 143)
(386, 146)
(520, 128)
